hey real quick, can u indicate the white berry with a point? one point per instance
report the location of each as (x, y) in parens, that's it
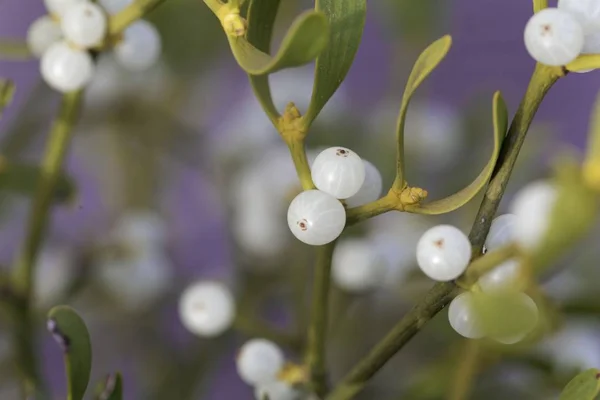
(587, 13)
(259, 361)
(553, 37)
(443, 252)
(529, 308)
(533, 207)
(339, 172)
(503, 277)
(370, 189)
(42, 34)
(356, 266)
(501, 232)
(316, 218)
(207, 308)
(84, 24)
(114, 6)
(463, 317)
(66, 69)
(140, 48)
(58, 7)
(276, 390)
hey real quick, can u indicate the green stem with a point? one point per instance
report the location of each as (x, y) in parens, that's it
(317, 330)
(136, 10)
(358, 214)
(442, 293)
(52, 166)
(298, 154)
(466, 371)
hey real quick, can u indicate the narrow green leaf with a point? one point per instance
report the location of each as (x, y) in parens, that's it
(505, 314)
(7, 92)
(584, 62)
(71, 334)
(457, 200)
(347, 20)
(24, 179)
(426, 63)
(304, 41)
(539, 5)
(593, 146)
(584, 386)
(111, 388)
(261, 20)
(14, 50)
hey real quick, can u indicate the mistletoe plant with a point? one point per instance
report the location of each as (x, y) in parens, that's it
(489, 278)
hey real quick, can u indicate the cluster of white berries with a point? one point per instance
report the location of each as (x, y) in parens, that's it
(64, 38)
(556, 36)
(444, 252)
(260, 364)
(317, 217)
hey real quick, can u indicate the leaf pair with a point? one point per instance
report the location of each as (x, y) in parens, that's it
(424, 66)
(71, 334)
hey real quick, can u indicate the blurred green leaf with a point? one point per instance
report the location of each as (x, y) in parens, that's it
(346, 19)
(425, 64)
(505, 314)
(584, 62)
(7, 92)
(591, 165)
(539, 5)
(14, 50)
(457, 200)
(111, 388)
(71, 334)
(24, 179)
(584, 386)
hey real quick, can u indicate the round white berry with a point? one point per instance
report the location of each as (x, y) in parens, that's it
(59, 7)
(553, 37)
(504, 277)
(339, 172)
(529, 308)
(463, 317)
(316, 218)
(356, 266)
(370, 189)
(66, 69)
(259, 361)
(443, 252)
(84, 24)
(501, 232)
(207, 308)
(42, 34)
(114, 6)
(276, 390)
(140, 48)
(533, 207)
(587, 13)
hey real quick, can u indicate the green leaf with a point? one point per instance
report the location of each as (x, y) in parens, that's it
(426, 63)
(24, 179)
(584, 62)
(591, 165)
(14, 50)
(346, 19)
(504, 314)
(7, 92)
(111, 388)
(70, 332)
(457, 200)
(539, 5)
(584, 386)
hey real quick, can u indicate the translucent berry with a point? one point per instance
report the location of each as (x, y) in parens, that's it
(259, 361)
(501, 232)
(370, 189)
(463, 318)
(553, 37)
(42, 34)
(58, 7)
(356, 266)
(114, 6)
(140, 48)
(207, 308)
(66, 69)
(503, 277)
(443, 252)
(528, 308)
(84, 24)
(339, 172)
(316, 218)
(533, 206)
(276, 390)
(587, 13)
